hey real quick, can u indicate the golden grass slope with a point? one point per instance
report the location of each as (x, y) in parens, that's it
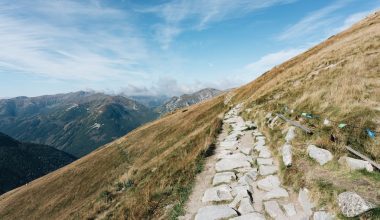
(134, 177)
(148, 173)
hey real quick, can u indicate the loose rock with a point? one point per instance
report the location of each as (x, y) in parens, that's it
(268, 183)
(290, 210)
(287, 154)
(225, 177)
(215, 212)
(322, 215)
(230, 164)
(264, 161)
(290, 135)
(265, 170)
(322, 156)
(355, 164)
(250, 216)
(273, 209)
(217, 194)
(245, 206)
(351, 204)
(276, 194)
(304, 200)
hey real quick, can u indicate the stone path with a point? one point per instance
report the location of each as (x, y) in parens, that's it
(240, 181)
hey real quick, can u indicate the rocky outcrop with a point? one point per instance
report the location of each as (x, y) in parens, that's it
(351, 204)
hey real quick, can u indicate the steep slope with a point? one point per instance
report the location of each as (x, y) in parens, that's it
(187, 100)
(76, 123)
(149, 172)
(23, 162)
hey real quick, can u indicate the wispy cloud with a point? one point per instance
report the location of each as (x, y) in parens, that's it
(317, 20)
(183, 15)
(270, 60)
(353, 18)
(68, 40)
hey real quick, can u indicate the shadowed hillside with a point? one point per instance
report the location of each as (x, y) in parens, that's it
(24, 162)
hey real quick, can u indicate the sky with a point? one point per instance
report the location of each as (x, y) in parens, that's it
(158, 47)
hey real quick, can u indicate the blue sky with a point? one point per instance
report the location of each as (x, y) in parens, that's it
(158, 47)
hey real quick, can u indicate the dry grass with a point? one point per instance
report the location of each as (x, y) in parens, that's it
(134, 177)
(340, 80)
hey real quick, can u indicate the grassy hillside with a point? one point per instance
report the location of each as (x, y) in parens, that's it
(135, 176)
(148, 173)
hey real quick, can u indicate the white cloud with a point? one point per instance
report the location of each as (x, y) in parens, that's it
(69, 40)
(183, 15)
(354, 18)
(316, 20)
(269, 61)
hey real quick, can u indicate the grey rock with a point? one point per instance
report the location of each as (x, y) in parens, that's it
(268, 183)
(217, 194)
(351, 204)
(304, 201)
(250, 216)
(215, 212)
(322, 156)
(322, 215)
(276, 194)
(290, 134)
(245, 206)
(273, 209)
(265, 153)
(287, 154)
(290, 210)
(264, 161)
(265, 170)
(355, 164)
(241, 190)
(225, 177)
(230, 164)
(237, 156)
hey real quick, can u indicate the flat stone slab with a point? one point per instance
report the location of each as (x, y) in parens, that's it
(265, 153)
(355, 164)
(230, 164)
(225, 177)
(273, 209)
(218, 194)
(268, 183)
(264, 161)
(290, 210)
(241, 190)
(250, 216)
(265, 170)
(276, 194)
(245, 206)
(215, 212)
(228, 144)
(351, 204)
(248, 178)
(322, 215)
(237, 156)
(246, 150)
(322, 156)
(305, 202)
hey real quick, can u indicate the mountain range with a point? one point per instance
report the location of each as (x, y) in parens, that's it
(80, 122)
(187, 99)
(76, 123)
